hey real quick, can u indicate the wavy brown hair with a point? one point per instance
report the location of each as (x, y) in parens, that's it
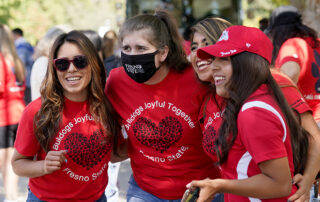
(9, 51)
(162, 32)
(249, 71)
(48, 118)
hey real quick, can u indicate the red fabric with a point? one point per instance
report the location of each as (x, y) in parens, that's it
(84, 176)
(259, 138)
(291, 92)
(164, 135)
(11, 96)
(300, 50)
(211, 117)
(186, 46)
(237, 39)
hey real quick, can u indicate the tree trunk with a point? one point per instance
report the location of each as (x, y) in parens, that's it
(310, 10)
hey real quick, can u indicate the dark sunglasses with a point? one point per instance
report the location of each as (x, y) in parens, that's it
(62, 64)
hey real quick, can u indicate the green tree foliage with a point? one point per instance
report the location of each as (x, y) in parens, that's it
(35, 17)
(255, 10)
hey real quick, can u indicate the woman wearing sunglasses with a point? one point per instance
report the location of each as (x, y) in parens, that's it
(65, 137)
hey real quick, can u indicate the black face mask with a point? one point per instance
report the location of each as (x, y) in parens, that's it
(139, 67)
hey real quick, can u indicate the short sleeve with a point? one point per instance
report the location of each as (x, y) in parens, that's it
(262, 132)
(295, 50)
(26, 142)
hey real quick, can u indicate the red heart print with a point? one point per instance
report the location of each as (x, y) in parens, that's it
(87, 152)
(159, 137)
(209, 137)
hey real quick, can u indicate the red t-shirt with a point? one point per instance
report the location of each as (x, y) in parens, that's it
(11, 95)
(291, 92)
(84, 176)
(210, 119)
(164, 134)
(262, 135)
(301, 51)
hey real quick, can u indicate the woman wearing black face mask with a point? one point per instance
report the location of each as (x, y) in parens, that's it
(158, 99)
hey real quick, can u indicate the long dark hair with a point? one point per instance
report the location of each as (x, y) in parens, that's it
(249, 72)
(48, 118)
(163, 32)
(285, 26)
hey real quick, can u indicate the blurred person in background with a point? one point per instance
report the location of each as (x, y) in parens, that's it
(41, 56)
(25, 52)
(297, 53)
(109, 45)
(12, 77)
(95, 39)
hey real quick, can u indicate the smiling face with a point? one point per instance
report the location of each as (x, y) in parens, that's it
(73, 81)
(221, 74)
(200, 66)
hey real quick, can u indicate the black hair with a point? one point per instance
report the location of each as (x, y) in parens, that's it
(249, 71)
(18, 31)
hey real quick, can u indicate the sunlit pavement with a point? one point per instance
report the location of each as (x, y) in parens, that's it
(124, 174)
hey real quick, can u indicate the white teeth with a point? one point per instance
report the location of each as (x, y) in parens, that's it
(73, 78)
(218, 78)
(203, 63)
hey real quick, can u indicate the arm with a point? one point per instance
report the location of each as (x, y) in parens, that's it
(291, 69)
(122, 153)
(306, 180)
(26, 166)
(274, 182)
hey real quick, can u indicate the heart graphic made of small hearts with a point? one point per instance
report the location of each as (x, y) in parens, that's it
(159, 137)
(87, 152)
(209, 137)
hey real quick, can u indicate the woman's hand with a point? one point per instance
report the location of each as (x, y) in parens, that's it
(208, 189)
(303, 193)
(53, 161)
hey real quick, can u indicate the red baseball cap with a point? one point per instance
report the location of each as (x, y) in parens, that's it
(237, 39)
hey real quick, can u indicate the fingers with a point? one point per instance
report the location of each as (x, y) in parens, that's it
(54, 160)
(297, 178)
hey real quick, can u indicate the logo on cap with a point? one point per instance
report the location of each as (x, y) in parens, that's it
(248, 45)
(224, 36)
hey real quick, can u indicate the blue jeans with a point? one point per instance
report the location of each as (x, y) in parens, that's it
(136, 194)
(32, 198)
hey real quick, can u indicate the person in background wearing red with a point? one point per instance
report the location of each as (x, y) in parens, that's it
(65, 137)
(297, 53)
(12, 78)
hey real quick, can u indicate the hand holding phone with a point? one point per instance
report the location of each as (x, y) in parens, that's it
(191, 194)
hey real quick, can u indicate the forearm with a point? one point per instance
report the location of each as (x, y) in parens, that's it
(122, 152)
(28, 167)
(313, 161)
(258, 186)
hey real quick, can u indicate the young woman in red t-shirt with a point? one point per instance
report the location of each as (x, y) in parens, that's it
(158, 99)
(248, 105)
(65, 137)
(207, 32)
